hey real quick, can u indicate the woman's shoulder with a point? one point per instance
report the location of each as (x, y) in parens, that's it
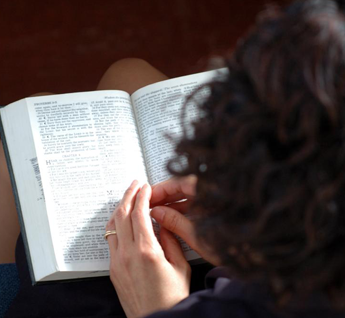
(217, 302)
(227, 297)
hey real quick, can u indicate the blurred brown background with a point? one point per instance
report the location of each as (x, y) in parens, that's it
(66, 45)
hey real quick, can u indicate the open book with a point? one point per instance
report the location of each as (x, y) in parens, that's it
(72, 156)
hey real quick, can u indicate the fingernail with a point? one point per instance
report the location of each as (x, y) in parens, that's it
(158, 214)
(133, 183)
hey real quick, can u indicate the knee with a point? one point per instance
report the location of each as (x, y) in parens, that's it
(41, 94)
(129, 64)
(129, 75)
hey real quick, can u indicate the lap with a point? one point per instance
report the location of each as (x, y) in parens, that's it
(87, 298)
(94, 297)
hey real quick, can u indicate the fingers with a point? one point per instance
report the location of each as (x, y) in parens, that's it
(121, 216)
(176, 223)
(132, 219)
(141, 219)
(112, 242)
(182, 207)
(111, 239)
(172, 249)
(173, 190)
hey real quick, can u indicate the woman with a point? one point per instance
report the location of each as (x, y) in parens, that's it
(268, 160)
(264, 184)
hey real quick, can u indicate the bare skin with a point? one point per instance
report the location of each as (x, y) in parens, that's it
(128, 75)
(9, 225)
(170, 214)
(148, 276)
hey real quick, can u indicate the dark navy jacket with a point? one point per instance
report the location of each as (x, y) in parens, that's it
(225, 298)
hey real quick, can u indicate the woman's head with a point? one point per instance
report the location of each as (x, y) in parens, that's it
(269, 153)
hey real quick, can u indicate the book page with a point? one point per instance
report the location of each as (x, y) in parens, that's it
(88, 152)
(158, 110)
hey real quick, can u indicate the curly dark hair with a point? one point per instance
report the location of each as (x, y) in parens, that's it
(269, 154)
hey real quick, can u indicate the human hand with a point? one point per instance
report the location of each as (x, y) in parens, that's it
(170, 214)
(147, 276)
(174, 190)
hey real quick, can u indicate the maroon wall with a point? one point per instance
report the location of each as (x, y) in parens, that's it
(66, 45)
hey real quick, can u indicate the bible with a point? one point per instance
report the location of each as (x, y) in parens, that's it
(71, 157)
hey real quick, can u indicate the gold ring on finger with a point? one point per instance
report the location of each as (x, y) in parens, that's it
(107, 233)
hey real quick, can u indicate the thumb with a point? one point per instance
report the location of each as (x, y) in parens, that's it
(176, 223)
